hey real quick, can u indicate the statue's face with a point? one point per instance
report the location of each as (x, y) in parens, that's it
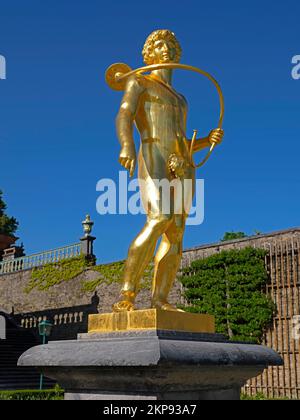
(163, 51)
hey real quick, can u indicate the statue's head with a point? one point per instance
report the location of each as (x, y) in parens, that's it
(161, 46)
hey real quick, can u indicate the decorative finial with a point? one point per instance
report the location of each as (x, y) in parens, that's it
(87, 225)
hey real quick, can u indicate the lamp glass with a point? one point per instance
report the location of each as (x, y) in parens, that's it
(45, 328)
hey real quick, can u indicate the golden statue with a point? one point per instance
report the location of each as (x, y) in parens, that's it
(159, 113)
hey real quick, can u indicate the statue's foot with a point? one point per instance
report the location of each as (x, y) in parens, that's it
(123, 306)
(165, 306)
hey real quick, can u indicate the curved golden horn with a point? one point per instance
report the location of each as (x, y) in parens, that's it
(117, 74)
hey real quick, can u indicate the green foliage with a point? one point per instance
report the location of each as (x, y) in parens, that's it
(25, 395)
(229, 285)
(261, 397)
(113, 273)
(109, 273)
(8, 225)
(42, 278)
(49, 275)
(231, 236)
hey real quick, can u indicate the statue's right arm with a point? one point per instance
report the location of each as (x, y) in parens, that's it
(124, 123)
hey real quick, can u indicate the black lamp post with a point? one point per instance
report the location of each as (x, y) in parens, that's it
(88, 240)
(45, 328)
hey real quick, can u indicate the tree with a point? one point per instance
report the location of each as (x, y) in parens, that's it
(230, 285)
(8, 225)
(231, 236)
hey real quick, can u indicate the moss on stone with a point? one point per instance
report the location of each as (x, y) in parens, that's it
(49, 275)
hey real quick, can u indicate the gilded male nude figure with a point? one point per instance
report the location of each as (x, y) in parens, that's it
(159, 113)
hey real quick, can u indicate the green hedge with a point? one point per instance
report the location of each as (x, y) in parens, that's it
(29, 394)
(231, 286)
(261, 397)
(58, 394)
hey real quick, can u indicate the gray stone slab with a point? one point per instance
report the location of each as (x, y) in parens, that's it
(147, 351)
(150, 364)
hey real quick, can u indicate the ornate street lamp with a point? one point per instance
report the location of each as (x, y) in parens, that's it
(88, 240)
(45, 328)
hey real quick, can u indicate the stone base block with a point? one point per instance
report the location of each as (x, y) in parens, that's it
(147, 319)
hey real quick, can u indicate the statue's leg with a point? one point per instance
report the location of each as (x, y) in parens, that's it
(139, 256)
(167, 262)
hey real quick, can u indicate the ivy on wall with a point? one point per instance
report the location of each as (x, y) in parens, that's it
(113, 273)
(109, 273)
(230, 286)
(49, 275)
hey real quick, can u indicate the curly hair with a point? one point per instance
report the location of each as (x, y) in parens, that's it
(166, 35)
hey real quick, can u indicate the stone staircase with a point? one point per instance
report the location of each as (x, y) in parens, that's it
(17, 341)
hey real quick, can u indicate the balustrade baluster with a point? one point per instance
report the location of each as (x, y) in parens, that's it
(38, 260)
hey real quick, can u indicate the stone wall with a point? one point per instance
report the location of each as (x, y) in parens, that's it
(66, 294)
(283, 263)
(70, 294)
(258, 241)
(67, 322)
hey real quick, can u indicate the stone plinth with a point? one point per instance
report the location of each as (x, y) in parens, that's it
(150, 364)
(148, 319)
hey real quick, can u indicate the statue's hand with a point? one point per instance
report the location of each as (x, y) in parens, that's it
(127, 159)
(216, 136)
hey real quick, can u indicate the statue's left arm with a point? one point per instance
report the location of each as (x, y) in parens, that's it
(214, 137)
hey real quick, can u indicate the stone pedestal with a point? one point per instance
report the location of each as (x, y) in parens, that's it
(87, 248)
(150, 364)
(6, 242)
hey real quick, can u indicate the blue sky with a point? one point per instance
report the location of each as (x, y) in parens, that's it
(57, 135)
